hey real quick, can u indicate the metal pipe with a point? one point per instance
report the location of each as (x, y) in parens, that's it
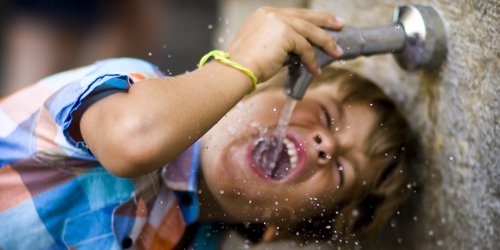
(416, 38)
(355, 42)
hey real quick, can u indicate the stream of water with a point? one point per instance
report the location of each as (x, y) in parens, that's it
(280, 132)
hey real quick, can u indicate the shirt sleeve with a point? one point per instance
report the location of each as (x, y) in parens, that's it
(102, 79)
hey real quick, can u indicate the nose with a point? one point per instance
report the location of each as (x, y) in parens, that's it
(324, 147)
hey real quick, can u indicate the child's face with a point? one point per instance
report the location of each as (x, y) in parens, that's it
(325, 159)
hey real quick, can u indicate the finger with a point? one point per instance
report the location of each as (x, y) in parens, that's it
(316, 36)
(304, 49)
(317, 18)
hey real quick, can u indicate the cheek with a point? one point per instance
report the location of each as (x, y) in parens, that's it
(321, 195)
(311, 198)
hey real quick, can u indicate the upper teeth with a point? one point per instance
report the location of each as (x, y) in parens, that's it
(292, 152)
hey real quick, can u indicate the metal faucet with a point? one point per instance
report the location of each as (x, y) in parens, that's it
(416, 38)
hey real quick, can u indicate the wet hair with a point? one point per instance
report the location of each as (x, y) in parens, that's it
(391, 145)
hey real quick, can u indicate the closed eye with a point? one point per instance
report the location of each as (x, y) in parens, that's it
(340, 169)
(328, 117)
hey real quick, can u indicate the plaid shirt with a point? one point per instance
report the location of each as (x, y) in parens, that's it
(53, 192)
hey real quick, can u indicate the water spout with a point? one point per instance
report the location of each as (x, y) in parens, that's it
(416, 38)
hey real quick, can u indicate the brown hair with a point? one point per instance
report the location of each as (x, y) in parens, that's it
(391, 144)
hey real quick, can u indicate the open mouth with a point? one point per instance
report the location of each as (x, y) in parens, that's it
(275, 160)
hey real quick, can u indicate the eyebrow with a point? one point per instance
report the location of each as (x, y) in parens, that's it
(341, 110)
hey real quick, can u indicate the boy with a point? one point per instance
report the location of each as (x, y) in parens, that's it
(83, 164)
(344, 170)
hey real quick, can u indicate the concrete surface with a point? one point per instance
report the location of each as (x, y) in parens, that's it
(455, 110)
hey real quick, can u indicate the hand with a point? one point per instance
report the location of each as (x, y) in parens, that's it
(270, 34)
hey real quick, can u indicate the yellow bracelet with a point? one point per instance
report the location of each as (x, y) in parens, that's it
(223, 57)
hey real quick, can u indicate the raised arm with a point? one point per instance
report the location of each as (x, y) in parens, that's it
(140, 131)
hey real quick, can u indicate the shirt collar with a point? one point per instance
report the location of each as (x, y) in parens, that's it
(181, 176)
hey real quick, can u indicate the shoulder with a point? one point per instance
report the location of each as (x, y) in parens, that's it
(126, 64)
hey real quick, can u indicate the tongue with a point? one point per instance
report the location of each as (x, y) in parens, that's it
(263, 155)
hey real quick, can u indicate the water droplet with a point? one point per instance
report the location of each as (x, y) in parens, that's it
(342, 61)
(364, 183)
(348, 125)
(210, 26)
(336, 129)
(328, 227)
(249, 201)
(220, 40)
(341, 168)
(254, 125)
(451, 157)
(355, 213)
(274, 109)
(221, 192)
(169, 56)
(150, 54)
(371, 104)
(276, 203)
(431, 233)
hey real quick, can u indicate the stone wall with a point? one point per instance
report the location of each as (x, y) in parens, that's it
(455, 110)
